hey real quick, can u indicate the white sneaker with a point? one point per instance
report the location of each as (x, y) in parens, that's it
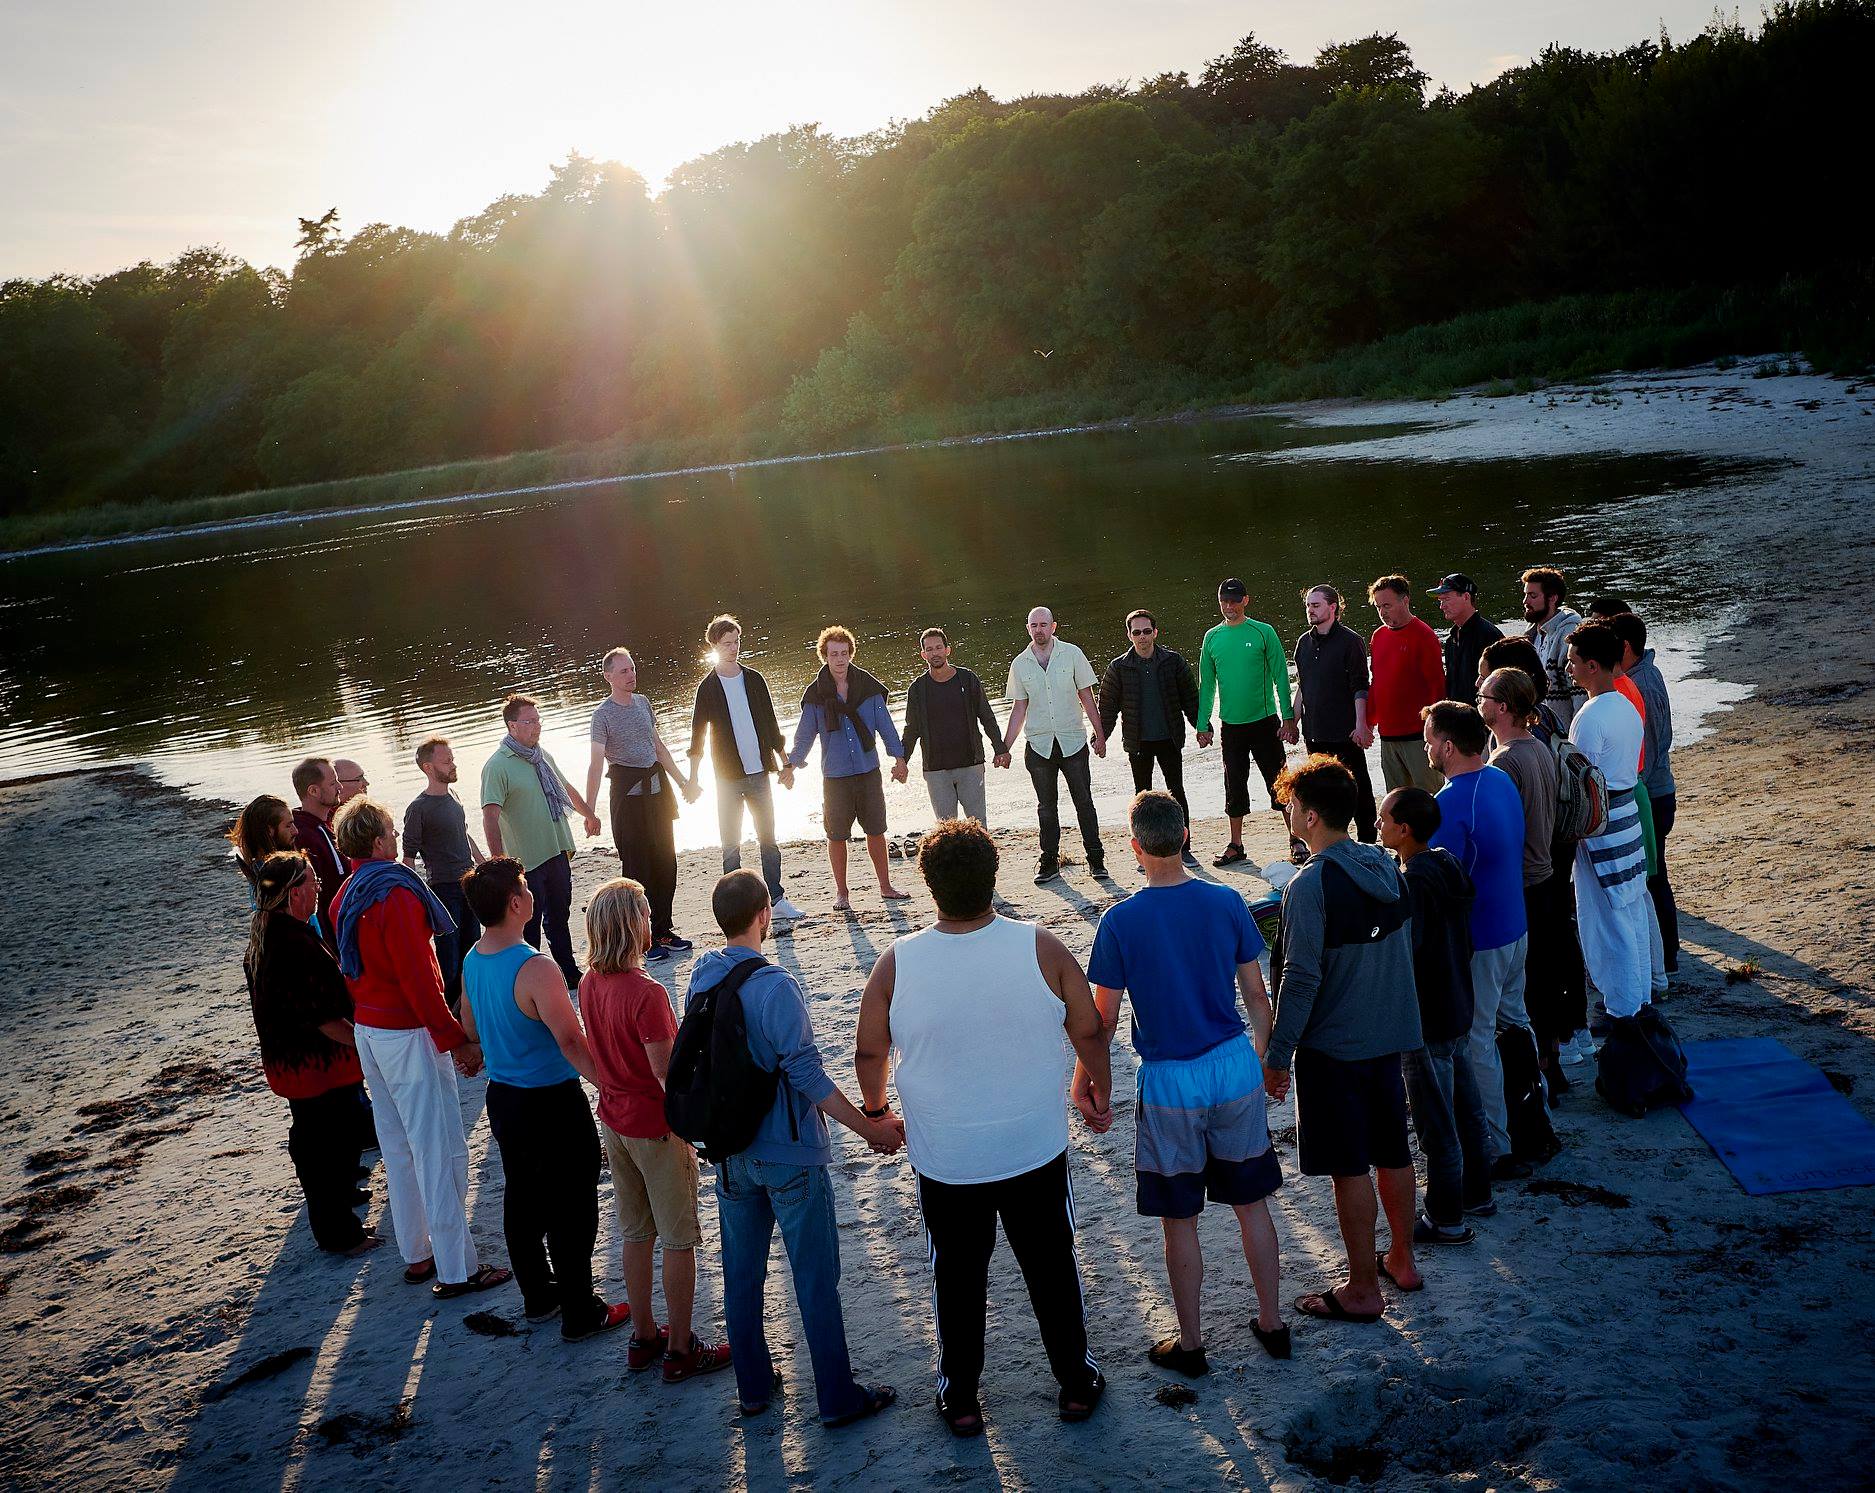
(786, 910)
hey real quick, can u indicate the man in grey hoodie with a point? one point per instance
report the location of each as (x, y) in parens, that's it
(1346, 1010)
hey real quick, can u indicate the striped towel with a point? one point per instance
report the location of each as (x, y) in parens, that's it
(1619, 853)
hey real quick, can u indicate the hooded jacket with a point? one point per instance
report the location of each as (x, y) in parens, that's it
(1441, 896)
(1343, 960)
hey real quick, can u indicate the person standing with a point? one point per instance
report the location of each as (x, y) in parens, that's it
(410, 1049)
(1544, 591)
(1186, 952)
(1242, 670)
(525, 803)
(1471, 633)
(1149, 691)
(437, 829)
(1656, 775)
(1331, 686)
(1409, 675)
(1611, 868)
(976, 1009)
(1481, 823)
(1346, 1014)
(1052, 685)
(645, 780)
(516, 1008)
(844, 710)
(781, 1177)
(352, 779)
(303, 1017)
(1448, 1112)
(316, 786)
(948, 710)
(262, 828)
(630, 1032)
(734, 709)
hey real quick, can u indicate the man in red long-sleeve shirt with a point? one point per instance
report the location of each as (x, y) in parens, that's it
(410, 1048)
(1409, 674)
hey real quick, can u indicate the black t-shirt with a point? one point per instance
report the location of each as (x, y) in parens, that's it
(1330, 672)
(1464, 646)
(946, 718)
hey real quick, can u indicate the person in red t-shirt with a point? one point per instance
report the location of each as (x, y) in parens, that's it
(630, 1031)
(303, 1016)
(1409, 674)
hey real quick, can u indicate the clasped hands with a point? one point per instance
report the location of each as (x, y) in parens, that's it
(885, 1134)
(1096, 1107)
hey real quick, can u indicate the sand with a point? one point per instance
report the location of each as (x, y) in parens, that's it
(1629, 1319)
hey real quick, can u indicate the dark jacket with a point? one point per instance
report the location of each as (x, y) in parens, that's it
(711, 711)
(1463, 647)
(314, 836)
(1442, 896)
(1129, 675)
(943, 751)
(1330, 672)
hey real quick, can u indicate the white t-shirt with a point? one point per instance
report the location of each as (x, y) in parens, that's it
(748, 745)
(1608, 731)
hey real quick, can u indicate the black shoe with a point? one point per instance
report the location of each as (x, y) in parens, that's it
(360, 1198)
(1510, 1169)
(1046, 870)
(1167, 1354)
(1098, 870)
(1485, 1209)
(1186, 856)
(1275, 1343)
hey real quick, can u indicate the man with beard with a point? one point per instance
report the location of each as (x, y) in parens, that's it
(317, 786)
(1544, 591)
(1331, 678)
(437, 829)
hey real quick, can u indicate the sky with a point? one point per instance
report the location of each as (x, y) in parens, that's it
(131, 130)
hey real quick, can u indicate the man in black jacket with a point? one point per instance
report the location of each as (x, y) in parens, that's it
(1150, 691)
(1331, 680)
(946, 709)
(734, 708)
(1472, 632)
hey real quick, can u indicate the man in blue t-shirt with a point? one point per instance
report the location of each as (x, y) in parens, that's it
(1481, 824)
(1184, 950)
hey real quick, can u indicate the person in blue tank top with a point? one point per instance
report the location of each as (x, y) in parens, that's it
(1481, 824)
(514, 1003)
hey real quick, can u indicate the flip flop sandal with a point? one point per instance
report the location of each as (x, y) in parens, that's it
(876, 1400)
(965, 1421)
(484, 1279)
(416, 1275)
(1276, 1342)
(1330, 1309)
(1167, 1354)
(1380, 1264)
(1078, 1405)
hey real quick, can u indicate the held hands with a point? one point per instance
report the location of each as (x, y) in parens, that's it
(1100, 745)
(1363, 738)
(1204, 739)
(886, 1134)
(1096, 1109)
(899, 771)
(693, 790)
(1287, 730)
(1276, 1082)
(592, 826)
(786, 776)
(468, 1059)
(1001, 759)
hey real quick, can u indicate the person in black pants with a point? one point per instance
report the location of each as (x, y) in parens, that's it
(1151, 693)
(1331, 676)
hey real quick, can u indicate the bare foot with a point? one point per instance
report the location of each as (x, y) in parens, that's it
(1397, 1265)
(893, 894)
(363, 1247)
(842, 903)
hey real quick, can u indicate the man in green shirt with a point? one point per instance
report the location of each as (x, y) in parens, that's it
(1242, 667)
(525, 803)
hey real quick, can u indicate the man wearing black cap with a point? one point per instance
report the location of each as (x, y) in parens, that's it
(1242, 667)
(1472, 632)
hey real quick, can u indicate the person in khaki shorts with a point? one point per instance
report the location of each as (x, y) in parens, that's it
(630, 1030)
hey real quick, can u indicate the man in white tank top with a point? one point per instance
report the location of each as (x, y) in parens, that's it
(974, 1012)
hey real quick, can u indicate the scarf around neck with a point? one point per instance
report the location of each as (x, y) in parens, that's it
(558, 805)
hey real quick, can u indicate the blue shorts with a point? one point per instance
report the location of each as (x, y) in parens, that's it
(1203, 1132)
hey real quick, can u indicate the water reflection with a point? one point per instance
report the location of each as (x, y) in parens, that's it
(223, 659)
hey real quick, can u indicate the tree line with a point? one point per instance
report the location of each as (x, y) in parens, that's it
(1266, 212)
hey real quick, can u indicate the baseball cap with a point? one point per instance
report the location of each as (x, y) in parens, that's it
(1233, 588)
(1456, 581)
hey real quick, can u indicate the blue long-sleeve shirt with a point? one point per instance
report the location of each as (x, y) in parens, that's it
(841, 755)
(1481, 823)
(781, 1036)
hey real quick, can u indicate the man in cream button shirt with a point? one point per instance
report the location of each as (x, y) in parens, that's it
(1052, 685)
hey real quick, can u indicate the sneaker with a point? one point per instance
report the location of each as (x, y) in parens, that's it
(786, 911)
(1186, 856)
(675, 944)
(703, 1358)
(656, 952)
(1486, 1209)
(641, 1354)
(1046, 871)
(1510, 1169)
(1098, 870)
(615, 1315)
(546, 1312)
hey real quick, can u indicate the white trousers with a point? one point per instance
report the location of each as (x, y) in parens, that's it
(426, 1159)
(1613, 931)
(1497, 982)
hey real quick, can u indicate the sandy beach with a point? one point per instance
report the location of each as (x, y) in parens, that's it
(1629, 1319)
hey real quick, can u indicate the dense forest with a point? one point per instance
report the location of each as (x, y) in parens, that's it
(1168, 233)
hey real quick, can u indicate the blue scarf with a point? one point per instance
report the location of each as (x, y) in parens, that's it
(365, 888)
(558, 805)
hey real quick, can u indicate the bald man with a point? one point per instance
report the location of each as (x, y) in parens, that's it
(352, 779)
(1052, 685)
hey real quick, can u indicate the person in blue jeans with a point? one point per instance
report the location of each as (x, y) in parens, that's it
(782, 1177)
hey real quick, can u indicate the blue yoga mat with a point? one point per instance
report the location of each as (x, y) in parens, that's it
(1773, 1119)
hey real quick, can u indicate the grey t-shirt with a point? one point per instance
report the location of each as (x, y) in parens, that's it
(436, 829)
(629, 736)
(1532, 767)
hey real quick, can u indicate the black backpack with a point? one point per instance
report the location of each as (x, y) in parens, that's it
(715, 1095)
(1641, 1065)
(1526, 1097)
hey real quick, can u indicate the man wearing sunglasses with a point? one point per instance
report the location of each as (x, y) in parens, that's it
(1150, 692)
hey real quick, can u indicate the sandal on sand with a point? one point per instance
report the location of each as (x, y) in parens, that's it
(1167, 1354)
(1078, 1406)
(484, 1279)
(417, 1274)
(964, 1420)
(1327, 1307)
(1380, 1264)
(1233, 853)
(1275, 1342)
(876, 1400)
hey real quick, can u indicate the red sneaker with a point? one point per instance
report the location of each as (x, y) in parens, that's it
(703, 1358)
(645, 1355)
(616, 1315)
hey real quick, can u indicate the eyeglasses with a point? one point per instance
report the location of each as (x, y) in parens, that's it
(361, 780)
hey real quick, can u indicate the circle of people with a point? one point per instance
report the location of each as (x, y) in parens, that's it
(1438, 979)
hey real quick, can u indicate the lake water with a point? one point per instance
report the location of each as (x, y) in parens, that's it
(220, 660)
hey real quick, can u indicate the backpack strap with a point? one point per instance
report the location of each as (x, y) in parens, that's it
(745, 970)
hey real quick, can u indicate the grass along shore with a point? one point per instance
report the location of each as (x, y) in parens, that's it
(1510, 350)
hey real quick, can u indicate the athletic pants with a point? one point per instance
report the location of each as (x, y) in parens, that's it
(1658, 886)
(1239, 744)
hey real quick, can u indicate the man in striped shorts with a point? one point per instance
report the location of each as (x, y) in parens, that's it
(1185, 950)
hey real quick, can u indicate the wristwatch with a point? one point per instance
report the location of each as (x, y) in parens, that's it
(876, 1114)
